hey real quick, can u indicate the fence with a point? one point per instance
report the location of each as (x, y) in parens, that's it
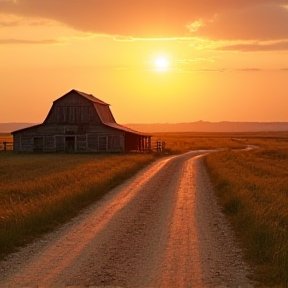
(6, 146)
(159, 146)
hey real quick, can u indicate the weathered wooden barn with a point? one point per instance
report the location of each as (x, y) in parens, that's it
(79, 122)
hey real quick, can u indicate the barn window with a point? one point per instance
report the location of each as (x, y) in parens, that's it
(92, 141)
(26, 142)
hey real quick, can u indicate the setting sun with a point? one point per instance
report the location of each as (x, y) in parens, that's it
(161, 64)
(133, 56)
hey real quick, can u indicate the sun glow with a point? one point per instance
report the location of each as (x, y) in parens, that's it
(161, 64)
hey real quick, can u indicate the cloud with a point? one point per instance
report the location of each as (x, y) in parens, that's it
(278, 46)
(196, 59)
(193, 27)
(220, 70)
(221, 19)
(248, 69)
(20, 41)
(10, 20)
(255, 22)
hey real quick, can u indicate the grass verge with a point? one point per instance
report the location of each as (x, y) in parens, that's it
(252, 189)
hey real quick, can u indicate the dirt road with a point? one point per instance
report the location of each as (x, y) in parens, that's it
(162, 228)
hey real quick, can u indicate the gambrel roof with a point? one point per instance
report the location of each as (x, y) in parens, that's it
(100, 106)
(102, 109)
(90, 97)
(104, 112)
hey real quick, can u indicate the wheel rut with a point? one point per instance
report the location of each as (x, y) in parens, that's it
(161, 228)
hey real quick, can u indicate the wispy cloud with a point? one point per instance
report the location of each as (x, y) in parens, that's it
(20, 41)
(10, 20)
(193, 27)
(278, 46)
(220, 70)
(197, 59)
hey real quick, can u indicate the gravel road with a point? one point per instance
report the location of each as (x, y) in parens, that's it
(162, 228)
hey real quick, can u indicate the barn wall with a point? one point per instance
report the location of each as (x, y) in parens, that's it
(137, 143)
(73, 109)
(68, 138)
(75, 124)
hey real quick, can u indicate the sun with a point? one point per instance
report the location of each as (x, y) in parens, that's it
(161, 64)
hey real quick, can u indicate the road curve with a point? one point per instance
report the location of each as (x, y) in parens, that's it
(162, 228)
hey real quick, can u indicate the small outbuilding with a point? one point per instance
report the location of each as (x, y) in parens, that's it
(79, 122)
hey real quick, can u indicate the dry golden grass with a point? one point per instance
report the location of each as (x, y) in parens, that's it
(6, 137)
(39, 191)
(183, 142)
(252, 189)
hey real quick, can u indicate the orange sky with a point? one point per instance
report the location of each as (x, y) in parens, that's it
(228, 60)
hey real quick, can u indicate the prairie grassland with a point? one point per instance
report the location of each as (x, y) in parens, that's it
(6, 137)
(183, 142)
(39, 191)
(252, 187)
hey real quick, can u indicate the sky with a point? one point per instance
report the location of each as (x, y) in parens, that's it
(222, 60)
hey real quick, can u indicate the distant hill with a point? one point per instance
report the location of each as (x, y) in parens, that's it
(10, 127)
(199, 126)
(204, 126)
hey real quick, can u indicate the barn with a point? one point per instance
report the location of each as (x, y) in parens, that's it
(80, 123)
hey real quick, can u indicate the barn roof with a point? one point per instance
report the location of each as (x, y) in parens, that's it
(103, 111)
(90, 97)
(105, 114)
(126, 129)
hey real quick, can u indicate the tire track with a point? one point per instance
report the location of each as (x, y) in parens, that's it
(162, 228)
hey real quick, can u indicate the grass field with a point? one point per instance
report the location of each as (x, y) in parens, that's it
(5, 137)
(252, 187)
(183, 142)
(40, 191)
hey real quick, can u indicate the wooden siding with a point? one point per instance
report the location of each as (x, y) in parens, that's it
(73, 110)
(64, 138)
(77, 123)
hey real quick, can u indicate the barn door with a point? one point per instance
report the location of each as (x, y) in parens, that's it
(70, 144)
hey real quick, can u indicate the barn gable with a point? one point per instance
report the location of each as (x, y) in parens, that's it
(80, 122)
